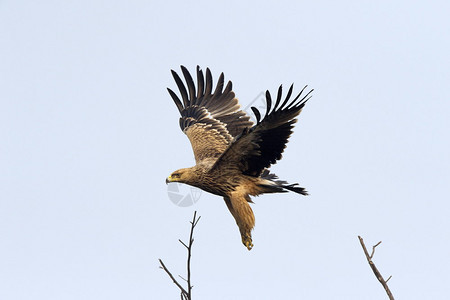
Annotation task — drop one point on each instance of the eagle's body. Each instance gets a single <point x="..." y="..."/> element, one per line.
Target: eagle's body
<point x="232" y="155"/>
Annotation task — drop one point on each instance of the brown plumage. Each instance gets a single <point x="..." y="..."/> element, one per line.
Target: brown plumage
<point x="232" y="154"/>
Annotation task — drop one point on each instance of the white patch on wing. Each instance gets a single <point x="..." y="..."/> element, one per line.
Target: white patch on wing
<point x="209" y="115"/>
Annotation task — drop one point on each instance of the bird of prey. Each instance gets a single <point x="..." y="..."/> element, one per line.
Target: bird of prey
<point x="232" y="154"/>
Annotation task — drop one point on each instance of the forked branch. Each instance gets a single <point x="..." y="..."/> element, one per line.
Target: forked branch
<point x="374" y="268"/>
<point x="185" y="295"/>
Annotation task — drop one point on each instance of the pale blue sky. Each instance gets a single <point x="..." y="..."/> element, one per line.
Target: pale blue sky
<point x="89" y="134"/>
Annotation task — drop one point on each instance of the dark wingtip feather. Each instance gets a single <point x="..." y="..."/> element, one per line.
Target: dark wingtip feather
<point x="219" y="85"/>
<point x="290" y="91"/>
<point x="307" y="96"/>
<point x="279" y="94"/>
<point x="176" y="100"/>
<point x="288" y="96"/>
<point x="189" y="82"/>
<point x="257" y="114"/>
<point x="181" y="87"/>
<point x="301" y="102"/>
<point x="200" y="83"/>
<point x="228" y="88"/>
<point x="209" y="82"/>
<point x="268" y="103"/>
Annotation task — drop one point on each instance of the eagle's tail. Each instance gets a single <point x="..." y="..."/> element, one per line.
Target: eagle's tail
<point x="295" y="188"/>
<point x="279" y="186"/>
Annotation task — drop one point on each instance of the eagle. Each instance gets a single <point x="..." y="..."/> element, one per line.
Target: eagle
<point x="232" y="154"/>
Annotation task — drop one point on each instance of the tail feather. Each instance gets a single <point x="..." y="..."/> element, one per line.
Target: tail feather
<point x="296" y="189"/>
<point x="280" y="186"/>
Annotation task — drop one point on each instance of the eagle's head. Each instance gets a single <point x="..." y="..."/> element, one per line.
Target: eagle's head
<point x="181" y="175"/>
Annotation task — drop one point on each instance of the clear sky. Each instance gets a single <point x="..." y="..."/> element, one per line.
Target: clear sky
<point x="89" y="134"/>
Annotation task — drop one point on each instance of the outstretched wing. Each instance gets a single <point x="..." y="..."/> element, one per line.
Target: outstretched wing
<point x="210" y="119"/>
<point x="263" y="144"/>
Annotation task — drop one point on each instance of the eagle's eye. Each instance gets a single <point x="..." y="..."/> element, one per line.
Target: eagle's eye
<point x="175" y="175"/>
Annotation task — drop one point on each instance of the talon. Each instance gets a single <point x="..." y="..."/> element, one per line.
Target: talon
<point x="249" y="246"/>
<point x="247" y="241"/>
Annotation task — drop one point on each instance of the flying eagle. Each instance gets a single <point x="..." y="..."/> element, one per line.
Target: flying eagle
<point x="232" y="154"/>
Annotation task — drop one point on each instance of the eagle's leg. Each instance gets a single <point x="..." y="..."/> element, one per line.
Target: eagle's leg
<point x="243" y="214"/>
<point x="247" y="240"/>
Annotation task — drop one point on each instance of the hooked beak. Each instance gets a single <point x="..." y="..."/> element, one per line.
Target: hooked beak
<point x="167" y="180"/>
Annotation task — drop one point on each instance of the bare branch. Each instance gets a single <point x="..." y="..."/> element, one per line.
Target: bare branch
<point x="183" y="291"/>
<point x="191" y="241"/>
<point x="185" y="295"/>
<point x="374" y="268"/>
<point x="183" y="244"/>
<point x="373" y="249"/>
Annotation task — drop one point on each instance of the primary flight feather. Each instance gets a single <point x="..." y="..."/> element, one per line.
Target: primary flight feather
<point x="232" y="154"/>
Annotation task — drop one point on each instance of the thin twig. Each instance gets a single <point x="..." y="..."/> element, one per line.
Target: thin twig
<point x="373" y="249"/>
<point x="189" y="248"/>
<point x="374" y="268"/>
<point x="185" y="295"/>
<point x="183" y="244"/>
<point x="183" y="291"/>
